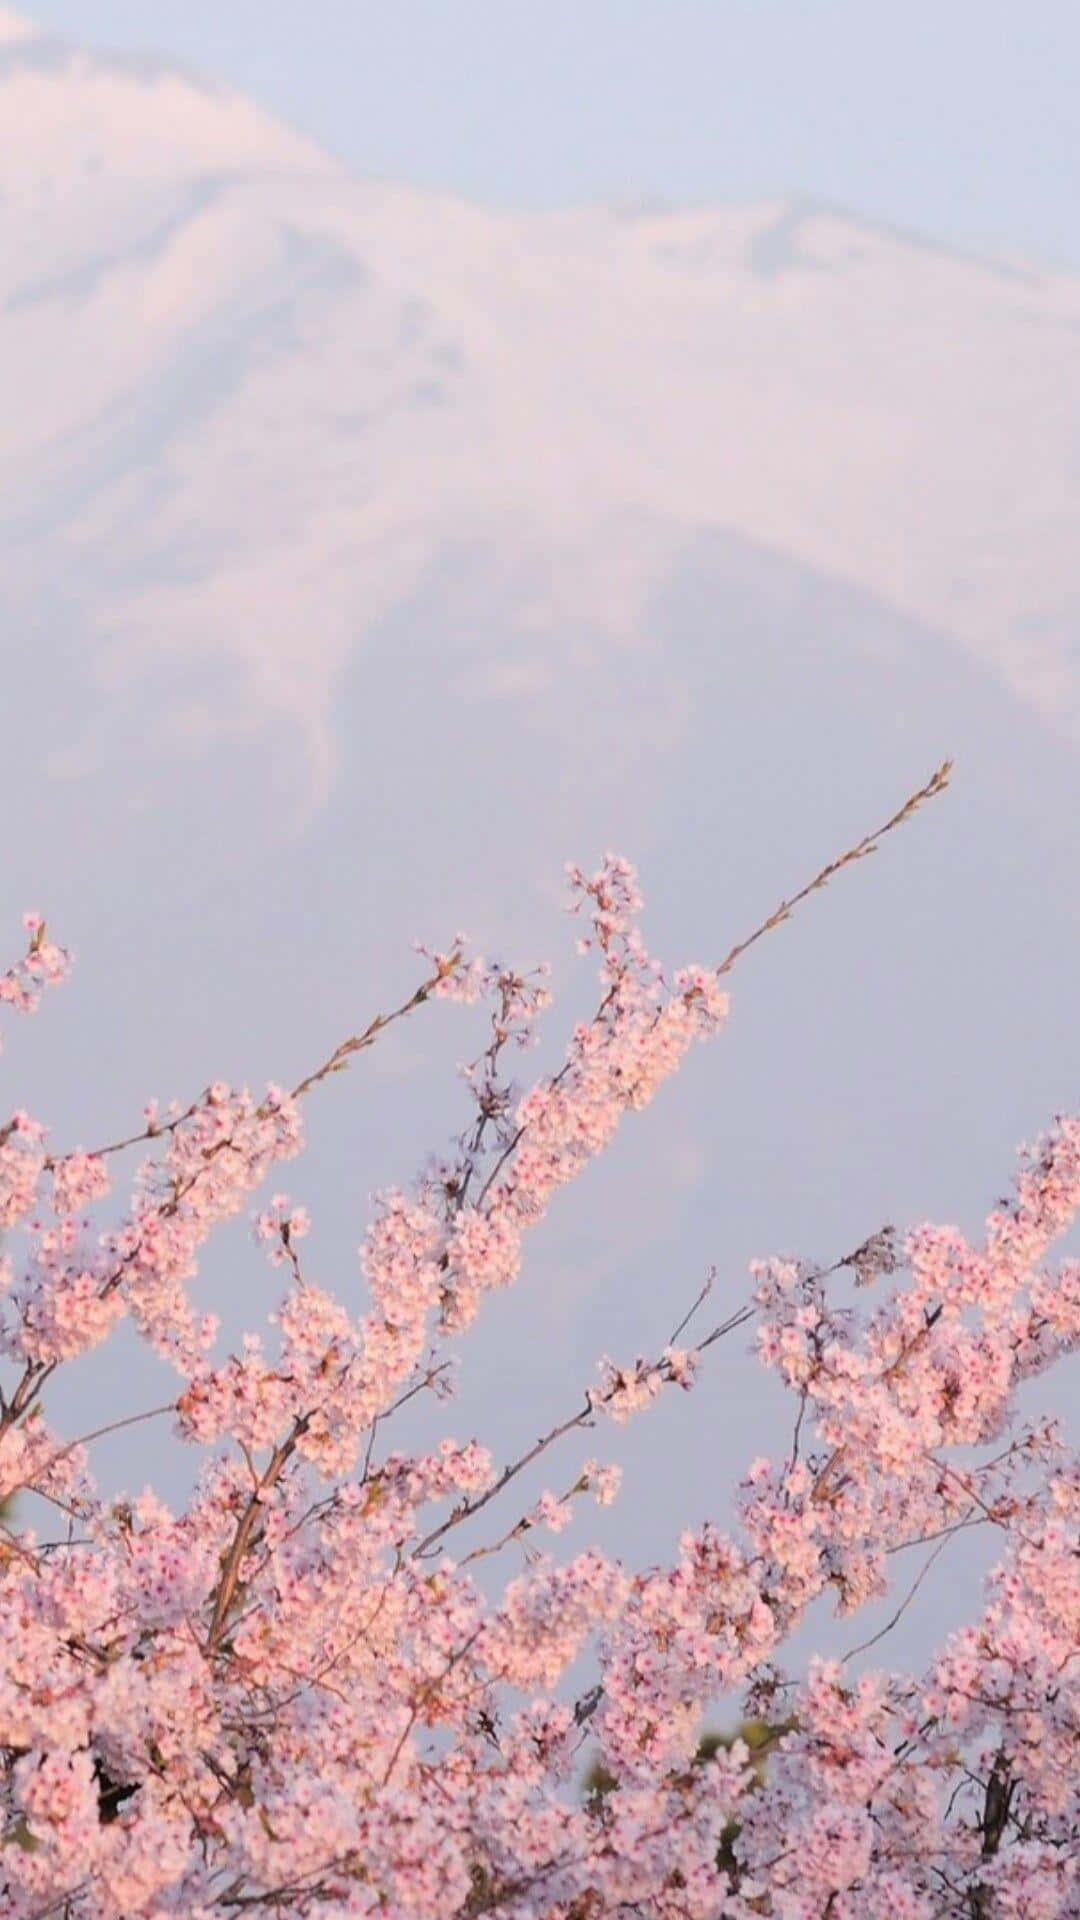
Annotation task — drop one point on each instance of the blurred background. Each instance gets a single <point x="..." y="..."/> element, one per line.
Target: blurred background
<point x="438" y="443"/>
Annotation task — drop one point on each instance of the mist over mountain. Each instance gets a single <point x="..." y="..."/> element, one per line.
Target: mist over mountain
<point x="368" y="554"/>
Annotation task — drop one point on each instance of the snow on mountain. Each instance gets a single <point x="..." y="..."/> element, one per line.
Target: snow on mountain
<point x="73" y="117"/>
<point x="367" y="554"/>
<point x="284" y="391"/>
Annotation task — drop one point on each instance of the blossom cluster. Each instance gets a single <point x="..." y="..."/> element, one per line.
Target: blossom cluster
<point x="44" y="964"/>
<point x="297" y="1697"/>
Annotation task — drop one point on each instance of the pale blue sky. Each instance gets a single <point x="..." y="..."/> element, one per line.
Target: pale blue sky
<point x="957" y="117"/>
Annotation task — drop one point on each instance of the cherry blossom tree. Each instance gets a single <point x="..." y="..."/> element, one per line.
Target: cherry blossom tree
<point x="300" y="1696"/>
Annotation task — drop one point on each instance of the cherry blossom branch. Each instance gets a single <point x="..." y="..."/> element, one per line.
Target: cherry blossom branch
<point x="822" y="1489"/>
<point x="936" y="784"/>
<point x="476" y="1502"/>
<point x="336" y="1062"/>
<point x="263" y="1679"/>
<point x="582" y="1418"/>
<point x="37" y="1373"/>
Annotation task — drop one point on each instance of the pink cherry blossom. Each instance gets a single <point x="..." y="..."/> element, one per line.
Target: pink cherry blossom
<point x="295" y="1696"/>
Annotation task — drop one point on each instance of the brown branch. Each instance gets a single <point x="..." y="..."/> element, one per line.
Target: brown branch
<point x="425" y="1695"/>
<point x="583" y="1417"/>
<point x="469" y="1507"/>
<point x="905" y="1602"/>
<point x="341" y="1055"/>
<point x="936" y="784"/>
<point x="692" y="1309"/>
<point x="230" y="1572"/>
<point x="113" y="1426"/>
<point x="335" y="1063"/>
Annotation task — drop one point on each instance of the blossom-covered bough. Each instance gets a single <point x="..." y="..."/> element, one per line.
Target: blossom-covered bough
<point x="297" y="1698"/>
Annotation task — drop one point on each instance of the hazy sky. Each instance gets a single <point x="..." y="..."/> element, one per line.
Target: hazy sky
<point x="961" y="120"/>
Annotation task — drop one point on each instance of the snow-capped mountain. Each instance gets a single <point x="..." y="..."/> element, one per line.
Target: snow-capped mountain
<point x="286" y="391"/>
<point x="367" y="554"/>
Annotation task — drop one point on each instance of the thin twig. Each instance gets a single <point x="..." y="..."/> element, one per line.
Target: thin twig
<point x="936" y="784"/>
<point x="468" y="1507"/>
<point x="691" y="1310"/>
<point x="334" y="1063"/>
<point x="582" y="1418"/>
<point x="905" y="1602"/>
<point x="114" y="1426"/>
<point x="358" y="1042"/>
